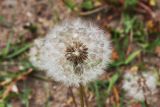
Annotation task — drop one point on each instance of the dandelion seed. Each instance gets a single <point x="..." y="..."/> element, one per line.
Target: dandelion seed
<point x="74" y="52"/>
<point x="138" y="86"/>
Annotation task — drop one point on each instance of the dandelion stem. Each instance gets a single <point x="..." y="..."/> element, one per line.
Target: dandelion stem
<point x="73" y="97"/>
<point x="146" y="103"/>
<point x="85" y="97"/>
<point x="81" y="94"/>
<point x="145" y="100"/>
<point x="86" y="100"/>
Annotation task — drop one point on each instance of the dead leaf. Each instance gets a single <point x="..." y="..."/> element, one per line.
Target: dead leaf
<point x="134" y="69"/>
<point x="157" y="51"/>
<point x="152" y="2"/>
<point x="115" y="55"/>
<point x="136" y="105"/>
<point x="150" y="25"/>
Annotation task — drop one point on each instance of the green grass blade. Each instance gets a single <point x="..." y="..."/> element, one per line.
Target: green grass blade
<point x="112" y="82"/>
<point x="70" y="4"/>
<point x="7" y="48"/>
<point x="97" y="94"/>
<point x="132" y="56"/>
<point x="19" y="51"/>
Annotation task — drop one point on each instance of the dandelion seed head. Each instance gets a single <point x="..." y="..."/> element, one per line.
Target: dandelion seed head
<point x="138" y="86"/>
<point x="35" y="53"/>
<point x="73" y="52"/>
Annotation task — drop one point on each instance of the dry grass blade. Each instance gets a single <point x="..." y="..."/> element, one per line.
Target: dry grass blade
<point x="9" y="84"/>
<point x="93" y="11"/>
<point x="116" y="94"/>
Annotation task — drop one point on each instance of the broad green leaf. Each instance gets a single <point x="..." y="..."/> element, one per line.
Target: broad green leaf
<point x="130" y="3"/>
<point x="129" y="23"/>
<point x="2" y="104"/>
<point x="70" y="4"/>
<point x="87" y="4"/>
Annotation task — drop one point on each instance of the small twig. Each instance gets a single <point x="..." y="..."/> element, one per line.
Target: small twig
<point x="93" y="11"/>
<point x="147" y="9"/>
<point x="20" y="77"/>
<point x="73" y="97"/>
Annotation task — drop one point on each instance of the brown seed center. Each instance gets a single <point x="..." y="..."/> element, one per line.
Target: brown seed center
<point x="76" y="53"/>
